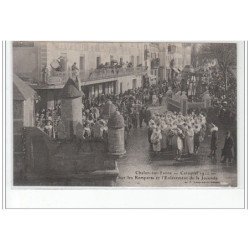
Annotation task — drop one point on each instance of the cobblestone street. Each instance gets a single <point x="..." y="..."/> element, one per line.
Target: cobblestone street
<point x="139" y="166"/>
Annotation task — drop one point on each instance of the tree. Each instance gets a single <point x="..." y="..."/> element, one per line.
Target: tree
<point x="224" y="54"/>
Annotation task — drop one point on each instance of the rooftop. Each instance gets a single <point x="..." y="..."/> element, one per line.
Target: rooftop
<point x="21" y="90"/>
<point x="70" y="90"/>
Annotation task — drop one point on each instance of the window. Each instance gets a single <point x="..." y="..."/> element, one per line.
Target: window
<point x="133" y="60"/>
<point x="138" y="60"/>
<point x="82" y="63"/>
<point x="121" y="61"/>
<point x="111" y="58"/>
<point x="134" y="84"/>
<point x="98" y="61"/>
<point x="121" y="87"/>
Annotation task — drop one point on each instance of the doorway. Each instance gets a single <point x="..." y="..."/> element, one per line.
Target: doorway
<point x="134" y="84"/>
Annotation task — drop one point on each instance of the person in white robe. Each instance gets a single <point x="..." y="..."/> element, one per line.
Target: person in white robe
<point x="179" y="141"/>
<point x="154" y="99"/>
<point x="97" y="130"/>
<point x="190" y="140"/>
<point x="87" y="131"/>
<point x="156" y="138"/>
<point x="48" y="129"/>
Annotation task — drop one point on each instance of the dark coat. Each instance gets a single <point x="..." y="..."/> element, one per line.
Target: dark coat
<point x="197" y="139"/>
<point x="148" y="115"/>
<point x="227" y="150"/>
<point x="214" y="140"/>
<point x="150" y="131"/>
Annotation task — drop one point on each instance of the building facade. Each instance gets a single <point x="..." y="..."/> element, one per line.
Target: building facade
<point x="173" y="58"/>
<point x="103" y="67"/>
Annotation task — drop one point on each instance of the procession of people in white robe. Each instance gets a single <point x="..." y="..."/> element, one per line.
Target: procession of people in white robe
<point x="172" y="131"/>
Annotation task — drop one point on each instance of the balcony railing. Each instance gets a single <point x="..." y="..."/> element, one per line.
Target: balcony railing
<point x="99" y="74"/>
<point x="96" y="74"/>
<point x="58" y="77"/>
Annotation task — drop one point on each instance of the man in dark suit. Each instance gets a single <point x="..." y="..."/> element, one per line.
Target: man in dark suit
<point x="227" y="149"/>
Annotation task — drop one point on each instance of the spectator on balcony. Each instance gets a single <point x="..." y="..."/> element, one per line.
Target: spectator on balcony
<point x="74" y="67"/>
<point x="45" y="74"/>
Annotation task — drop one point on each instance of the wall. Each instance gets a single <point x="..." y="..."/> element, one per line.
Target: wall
<point x="61" y="163"/>
<point x="71" y="110"/>
<point x="90" y="51"/>
<point x="25" y="62"/>
<point x="18" y="115"/>
<point x="23" y="114"/>
<point x="29" y="113"/>
<point x="28" y="61"/>
<point x="127" y="82"/>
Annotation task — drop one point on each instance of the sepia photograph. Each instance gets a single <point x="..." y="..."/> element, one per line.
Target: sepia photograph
<point x="124" y="114"/>
<point x="124" y="125"/>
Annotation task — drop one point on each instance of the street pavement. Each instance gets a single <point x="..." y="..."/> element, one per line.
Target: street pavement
<point x="140" y="168"/>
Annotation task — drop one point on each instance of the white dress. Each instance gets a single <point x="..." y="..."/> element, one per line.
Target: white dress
<point x="179" y="143"/>
<point x="190" y="141"/>
<point x="154" y="99"/>
<point x="156" y="138"/>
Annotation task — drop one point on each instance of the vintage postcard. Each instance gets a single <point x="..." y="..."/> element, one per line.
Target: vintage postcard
<point x="125" y="114"/>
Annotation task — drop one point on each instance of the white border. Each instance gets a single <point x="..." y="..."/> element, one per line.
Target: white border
<point x="69" y="197"/>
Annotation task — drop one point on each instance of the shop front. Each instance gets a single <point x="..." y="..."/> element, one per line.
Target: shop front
<point x="95" y="89"/>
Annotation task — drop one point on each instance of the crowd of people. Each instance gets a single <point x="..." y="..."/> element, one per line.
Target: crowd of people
<point x="166" y="131"/>
<point x="132" y="104"/>
<point x="174" y="131"/>
<point x="47" y="120"/>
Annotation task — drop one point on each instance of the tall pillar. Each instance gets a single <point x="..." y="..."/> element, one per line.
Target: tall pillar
<point x="116" y="141"/>
<point x="71" y="108"/>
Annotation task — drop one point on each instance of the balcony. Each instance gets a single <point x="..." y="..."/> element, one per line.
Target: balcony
<point x="60" y="77"/>
<point x="106" y="73"/>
